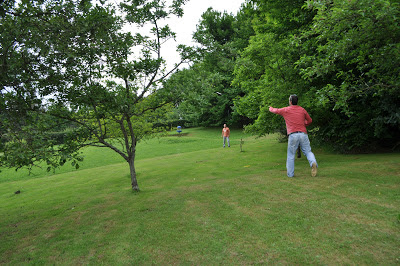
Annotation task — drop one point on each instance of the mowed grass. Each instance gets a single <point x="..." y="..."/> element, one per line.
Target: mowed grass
<point x="189" y="140"/>
<point x="201" y="204"/>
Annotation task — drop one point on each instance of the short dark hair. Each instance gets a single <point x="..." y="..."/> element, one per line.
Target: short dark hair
<point x="294" y="99"/>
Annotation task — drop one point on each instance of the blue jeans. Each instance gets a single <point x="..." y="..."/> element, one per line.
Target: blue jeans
<point x="295" y="140"/>
<point x="226" y="138"/>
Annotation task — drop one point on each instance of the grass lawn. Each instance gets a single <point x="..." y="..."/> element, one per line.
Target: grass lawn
<point x="203" y="204"/>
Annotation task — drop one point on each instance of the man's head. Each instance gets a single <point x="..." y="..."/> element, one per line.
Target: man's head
<point x="293" y="99"/>
<point x="224" y="125"/>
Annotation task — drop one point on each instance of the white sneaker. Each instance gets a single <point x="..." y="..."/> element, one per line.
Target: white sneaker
<point x="314" y="170"/>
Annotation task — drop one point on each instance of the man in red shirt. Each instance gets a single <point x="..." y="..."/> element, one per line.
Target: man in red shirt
<point x="296" y="118"/>
<point x="225" y="134"/>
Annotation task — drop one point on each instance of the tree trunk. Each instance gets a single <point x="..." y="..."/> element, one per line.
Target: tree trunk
<point x="135" y="186"/>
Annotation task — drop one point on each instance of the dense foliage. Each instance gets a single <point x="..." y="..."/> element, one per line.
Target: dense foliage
<point x="351" y="62"/>
<point x="207" y="91"/>
<point x="340" y="57"/>
<point x="265" y="69"/>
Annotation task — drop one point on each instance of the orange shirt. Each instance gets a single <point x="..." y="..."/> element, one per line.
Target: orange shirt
<point x="226" y="132"/>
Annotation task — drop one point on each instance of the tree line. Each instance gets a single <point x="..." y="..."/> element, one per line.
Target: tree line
<point x="340" y="57"/>
<point x="72" y="75"/>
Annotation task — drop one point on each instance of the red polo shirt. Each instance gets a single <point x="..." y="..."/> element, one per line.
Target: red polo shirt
<point x="296" y="118"/>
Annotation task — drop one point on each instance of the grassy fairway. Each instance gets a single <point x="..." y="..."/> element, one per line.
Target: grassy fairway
<point x="202" y="204"/>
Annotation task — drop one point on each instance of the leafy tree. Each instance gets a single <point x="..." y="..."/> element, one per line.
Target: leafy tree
<point x="265" y="70"/>
<point x="340" y="57"/>
<point x="221" y="37"/>
<point x="195" y="91"/>
<point x="69" y="62"/>
<point x="352" y="62"/>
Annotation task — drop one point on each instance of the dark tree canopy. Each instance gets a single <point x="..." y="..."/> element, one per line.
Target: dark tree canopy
<point x="340" y="57"/>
